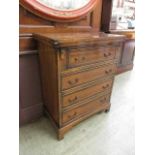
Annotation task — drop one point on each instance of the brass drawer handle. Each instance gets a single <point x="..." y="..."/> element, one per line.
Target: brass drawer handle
<point x="72" y="116"/>
<point x="83" y="58"/>
<point x="110" y="43"/>
<point x="80" y="59"/>
<point x="76" y="59"/>
<point x="73" y="82"/>
<point x="106" y="55"/>
<point x="73" y="100"/>
<point x="108" y="71"/>
<point x="104" y="87"/>
<point x="103" y="100"/>
<point x="109" y="54"/>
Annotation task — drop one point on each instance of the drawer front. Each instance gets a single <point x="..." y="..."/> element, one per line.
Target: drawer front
<point x="87" y="92"/>
<point x="81" y="56"/>
<point x="83" y="77"/>
<point x="90" y="107"/>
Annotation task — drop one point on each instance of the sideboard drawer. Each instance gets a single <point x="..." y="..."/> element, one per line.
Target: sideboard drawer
<point x="83" y="77"/>
<point x="73" y="98"/>
<point x="80" y="56"/>
<point x="92" y="106"/>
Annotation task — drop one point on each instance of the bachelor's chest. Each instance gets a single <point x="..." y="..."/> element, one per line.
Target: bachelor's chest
<point x="77" y="73"/>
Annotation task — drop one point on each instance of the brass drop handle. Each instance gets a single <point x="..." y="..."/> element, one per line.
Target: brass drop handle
<point x="75" y="113"/>
<point x="73" y="82"/>
<point x="73" y="100"/>
<point x="104" y="87"/>
<point x="76" y="59"/>
<point x="83" y="58"/>
<point x="106" y="55"/>
<point x="72" y="116"/>
<point x="80" y="59"/>
<point x="110" y="43"/>
<point x="103" y="100"/>
<point x="109" y="54"/>
<point x="108" y="71"/>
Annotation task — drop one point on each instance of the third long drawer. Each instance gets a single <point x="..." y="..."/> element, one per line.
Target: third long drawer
<point x="100" y="86"/>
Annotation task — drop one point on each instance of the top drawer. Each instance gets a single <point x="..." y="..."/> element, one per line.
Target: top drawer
<point x="80" y="56"/>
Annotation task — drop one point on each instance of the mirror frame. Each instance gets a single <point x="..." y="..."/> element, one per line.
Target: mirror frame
<point x="57" y="15"/>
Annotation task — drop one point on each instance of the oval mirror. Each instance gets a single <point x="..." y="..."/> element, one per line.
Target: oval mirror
<point x="59" y="10"/>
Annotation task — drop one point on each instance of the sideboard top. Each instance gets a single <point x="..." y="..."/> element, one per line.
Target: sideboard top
<point x="72" y="39"/>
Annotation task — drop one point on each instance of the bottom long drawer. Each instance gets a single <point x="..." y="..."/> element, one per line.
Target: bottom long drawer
<point x="87" y="108"/>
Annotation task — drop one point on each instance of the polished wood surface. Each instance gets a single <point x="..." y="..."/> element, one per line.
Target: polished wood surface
<point x="86" y="108"/>
<point x="49" y="76"/>
<point x="31" y="107"/>
<point x="80" y="78"/>
<point x="30" y="23"/>
<point x="126" y="61"/>
<point x="73" y="93"/>
<point x="77" y="57"/>
<point x="130" y="34"/>
<point x="94" y="88"/>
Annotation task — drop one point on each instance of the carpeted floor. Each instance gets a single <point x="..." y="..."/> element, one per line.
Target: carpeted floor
<point x="102" y="134"/>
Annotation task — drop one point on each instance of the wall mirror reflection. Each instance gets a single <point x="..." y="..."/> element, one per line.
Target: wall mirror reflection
<point x="64" y="5"/>
<point x="123" y="15"/>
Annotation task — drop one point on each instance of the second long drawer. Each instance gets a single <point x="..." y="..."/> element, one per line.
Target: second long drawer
<point x="86" y="76"/>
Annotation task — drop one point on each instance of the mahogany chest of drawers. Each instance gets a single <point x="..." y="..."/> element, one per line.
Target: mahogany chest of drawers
<point x="77" y="72"/>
